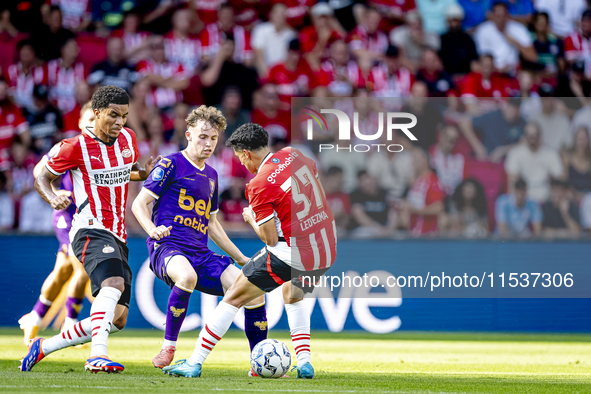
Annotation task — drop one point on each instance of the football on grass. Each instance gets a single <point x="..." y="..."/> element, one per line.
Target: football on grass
<point x="270" y="359"/>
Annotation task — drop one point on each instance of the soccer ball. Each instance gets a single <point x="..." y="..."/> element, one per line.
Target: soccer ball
<point x="270" y="359"/>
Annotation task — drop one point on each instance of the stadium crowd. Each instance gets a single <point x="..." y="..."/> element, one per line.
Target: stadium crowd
<point x="501" y="90"/>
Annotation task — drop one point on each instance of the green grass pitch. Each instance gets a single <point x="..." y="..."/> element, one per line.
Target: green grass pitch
<point x="345" y="363"/>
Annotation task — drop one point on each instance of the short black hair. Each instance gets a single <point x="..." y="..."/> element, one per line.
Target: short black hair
<point x="24" y="43"/>
<point x="362" y="173"/>
<point x="107" y="95"/>
<point x="249" y="136"/>
<point x="520" y="184"/>
<point x="334" y="170"/>
<point x="555" y="182"/>
<point x="501" y="4"/>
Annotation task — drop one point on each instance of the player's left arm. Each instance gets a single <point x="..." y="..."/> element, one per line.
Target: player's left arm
<point x="143" y="213"/>
<point x="221" y="239"/>
<point x="141" y="174"/>
<point x="267" y="231"/>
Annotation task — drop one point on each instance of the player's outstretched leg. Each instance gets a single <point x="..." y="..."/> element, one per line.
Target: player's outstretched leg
<point x="255" y="324"/>
<point x="31" y="322"/>
<point x="237" y="296"/>
<point x="76" y="289"/>
<point x="182" y="273"/>
<point x="299" y="325"/>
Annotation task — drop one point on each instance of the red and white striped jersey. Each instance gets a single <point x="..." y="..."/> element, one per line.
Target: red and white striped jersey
<point x="62" y="83"/>
<point x="186" y="51"/>
<point x="21" y="85"/>
<point x="100" y="174"/>
<point x="132" y="41"/>
<point x="359" y="38"/>
<point x="578" y="47"/>
<point x="383" y="84"/>
<point x="342" y="79"/>
<point x="212" y="37"/>
<point x="74" y="12"/>
<point x="208" y="10"/>
<point x="286" y="190"/>
<point x="159" y="96"/>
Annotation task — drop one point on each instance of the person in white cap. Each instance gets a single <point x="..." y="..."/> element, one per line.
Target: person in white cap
<point x="316" y="39"/>
<point x="458" y="50"/>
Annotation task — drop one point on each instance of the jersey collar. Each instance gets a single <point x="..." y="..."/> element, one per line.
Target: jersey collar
<point x="264" y="161"/>
<point x="191" y="161"/>
<point x="90" y="131"/>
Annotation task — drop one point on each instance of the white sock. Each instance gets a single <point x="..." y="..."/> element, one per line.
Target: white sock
<point x="69" y="322"/>
<point x="167" y="343"/>
<point x="102" y="313"/>
<point x="78" y="334"/>
<point x="213" y="331"/>
<point x="299" y="326"/>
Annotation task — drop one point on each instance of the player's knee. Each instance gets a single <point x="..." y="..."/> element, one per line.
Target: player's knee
<point x="63" y="271"/>
<point x="116" y="281"/>
<point x="188" y="280"/>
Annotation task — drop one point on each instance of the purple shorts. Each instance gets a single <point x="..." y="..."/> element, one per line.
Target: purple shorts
<point x="208" y="266"/>
<point x="62" y="223"/>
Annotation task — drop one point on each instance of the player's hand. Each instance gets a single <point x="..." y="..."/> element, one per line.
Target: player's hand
<point x="160" y="232"/>
<point x="65" y="193"/>
<point x="151" y="163"/>
<point x="60" y="203"/>
<point x="248" y="215"/>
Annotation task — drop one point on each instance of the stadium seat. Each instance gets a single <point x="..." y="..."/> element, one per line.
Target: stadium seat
<point x="493" y="179"/>
<point x="92" y="50"/>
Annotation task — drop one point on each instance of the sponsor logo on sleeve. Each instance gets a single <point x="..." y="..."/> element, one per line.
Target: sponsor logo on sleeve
<point x="275" y="160"/>
<point x="158" y="174"/>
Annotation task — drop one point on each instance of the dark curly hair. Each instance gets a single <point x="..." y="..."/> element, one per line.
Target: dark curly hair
<point x="249" y="136"/>
<point x="479" y="202"/>
<point x="109" y="94"/>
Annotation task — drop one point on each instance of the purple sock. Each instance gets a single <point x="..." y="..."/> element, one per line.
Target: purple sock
<point x="178" y="303"/>
<point x="255" y="325"/>
<point x="41" y="308"/>
<point x="73" y="307"/>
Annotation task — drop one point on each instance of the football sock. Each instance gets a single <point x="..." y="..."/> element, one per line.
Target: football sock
<point x="176" y="311"/>
<point x="213" y="331"/>
<point x="73" y="307"/>
<point x="101" y="316"/>
<point x="255" y="324"/>
<point x="80" y="333"/>
<point x="41" y="307"/>
<point x="299" y="326"/>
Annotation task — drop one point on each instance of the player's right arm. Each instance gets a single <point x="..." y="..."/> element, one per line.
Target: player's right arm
<point x="64" y="160"/>
<point x="143" y="213"/>
<point x="45" y="190"/>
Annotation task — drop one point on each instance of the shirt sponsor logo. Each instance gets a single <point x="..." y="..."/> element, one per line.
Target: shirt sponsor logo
<point x="158" y="174"/>
<point x="113" y="177"/>
<point x="108" y="249"/>
<point x="281" y="167"/>
<point x="126" y="153"/>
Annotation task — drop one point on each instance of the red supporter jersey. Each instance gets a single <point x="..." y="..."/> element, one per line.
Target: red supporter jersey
<point x="425" y="191"/>
<point x="287" y="191"/>
<point x="578" y="47"/>
<point x="291" y="83"/>
<point x="208" y="10"/>
<point x="341" y="79"/>
<point x="212" y="37"/>
<point x="296" y="11"/>
<point x="186" y="51"/>
<point x="385" y="85"/>
<point x="246" y="12"/>
<point x="62" y="83"/>
<point x="395" y="8"/>
<point x="159" y="96"/>
<point x="359" y="38"/>
<point x="71" y="120"/>
<point x="474" y="85"/>
<point x="21" y="85"/>
<point x="100" y="174"/>
<point x="309" y="39"/>
<point x="12" y="122"/>
<point x="278" y="126"/>
<point x="74" y="12"/>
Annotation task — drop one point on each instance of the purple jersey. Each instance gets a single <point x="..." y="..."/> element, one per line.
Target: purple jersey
<point x="186" y="196"/>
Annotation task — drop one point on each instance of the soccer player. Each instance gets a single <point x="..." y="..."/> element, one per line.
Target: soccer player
<point x="66" y="262"/>
<point x="289" y="212"/>
<point x="184" y="190"/>
<point x="101" y="160"/>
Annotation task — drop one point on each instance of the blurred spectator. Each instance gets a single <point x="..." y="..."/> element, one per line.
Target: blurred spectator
<point x="136" y="42"/>
<point x="394" y="12"/>
<point x="348" y="12"/>
<point x="7" y="29"/>
<point x="573" y="88"/>
<point x="167" y="79"/>
<point x="577" y="161"/>
<point x="247" y="13"/>
<point x="45" y="121"/>
<point x="505" y="39"/>
<point x="516" y="215"/>
<point x="339" y="201"/>
<point x="550" y="49"/>
<point x="585" y="212"/>
<point x="227" y="166"/>
<point x="438" y="81"/>
<point x="433" y="14"/>
<point x="391" y="79"/>
<point x="270" y="40"/>
<point x="341" y="74"/>
<point x="181" y="111"/>
<point x="115" y="70"/>
<point x="450" y="167"/>
<point x="63" y="75"/>
<point x="577" y="45"/>
<point x="296" y="11"/>
<point x="372" y="215"/>
<point x="49" y="40"/>
<point x="412" y="40"/>
<point x="139" y="109"/>
<point x="475" y="11"/>
<point x="76" y="13"/>
<point x="223" y="71"/>
<point x="12" y="124"/>
<point x="293" y="77"/>
<point x="232" y="202"/>
<point x="207" y="10"/>
<point x="561" y="216"/>
<point x="317" y="38"/>
<point x="564" y="15"/>
<point x="72" y="119"/>
<point x="531" y="103"/>
<point x="554" y="124"/>
<point x="366" y="42"/>
<point x="24" y="74"/>
<point x="424" y="202"/>
<point x="180" y="45"/>
<point x="156" y="144"/>
<point x="231" y="107"/>
<point x="21" y="179"/>
<point x="468" y="211"/>
<point x="225" y="28"/>
<point x="500" y="131"/>
<point x="458" y="50"/>
<point x="25" y="15"/>
<point x="270" y="116"/>
<point x="535" y="163"/>
<point x="424" y="109"/>
<point x="520" y="10"/>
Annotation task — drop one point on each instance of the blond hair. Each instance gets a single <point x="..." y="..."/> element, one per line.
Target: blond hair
<point x="86" y="107"/>
<point x="210" y="115"/>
